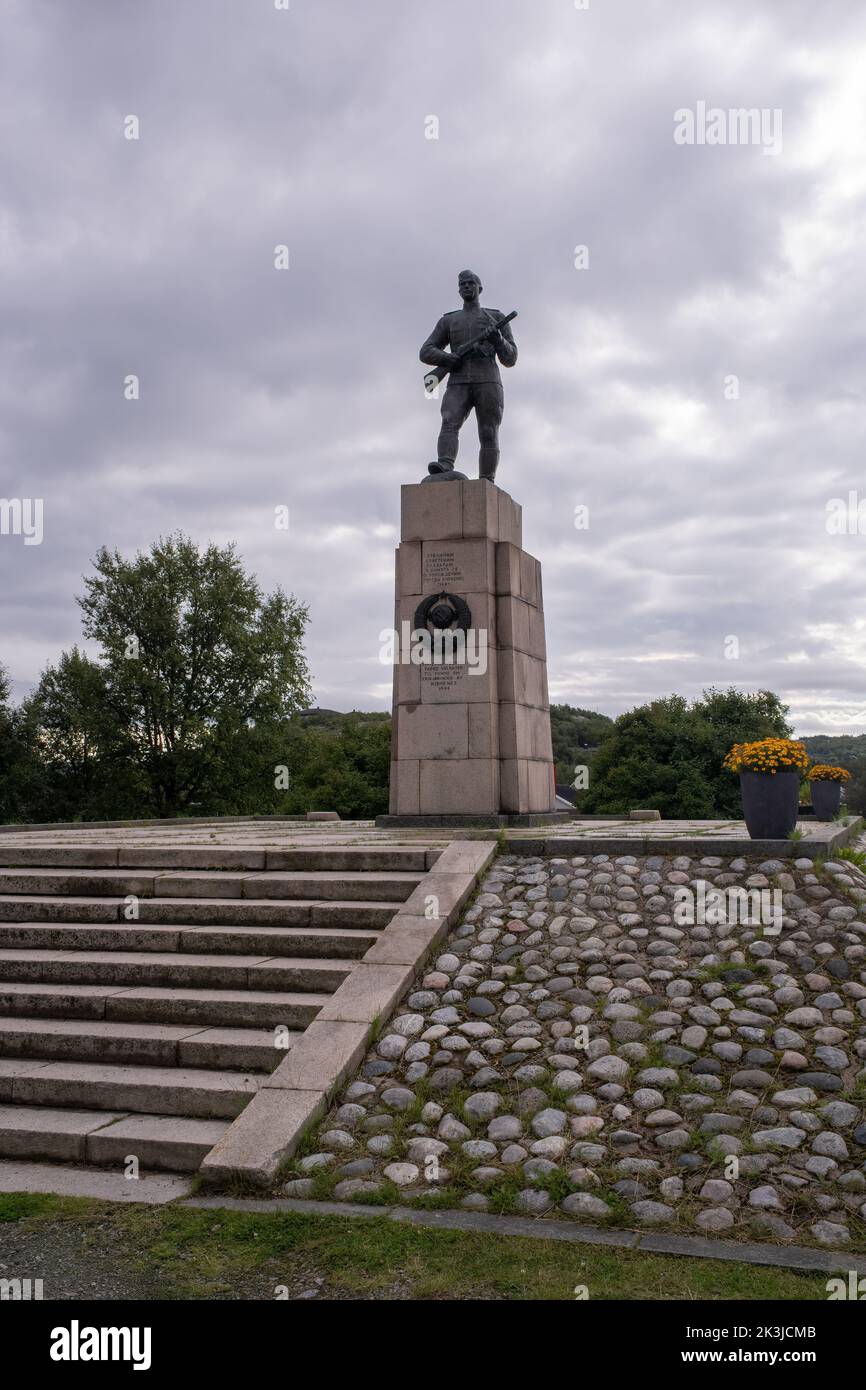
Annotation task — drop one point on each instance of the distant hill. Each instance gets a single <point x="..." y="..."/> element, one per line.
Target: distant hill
<point x="576" y="733"/>
<point x="333" y="719"/>
<point x="843" y="750"/>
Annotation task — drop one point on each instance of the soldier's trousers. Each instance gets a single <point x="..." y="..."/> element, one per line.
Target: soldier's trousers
<point x="459" y="399"/>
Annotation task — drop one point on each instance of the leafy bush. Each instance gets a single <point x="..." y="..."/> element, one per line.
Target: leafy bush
<point x="667" y="755"/>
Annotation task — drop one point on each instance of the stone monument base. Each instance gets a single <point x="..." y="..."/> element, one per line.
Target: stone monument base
<point x="492" y="822"/>
<point x="470" y="736"/>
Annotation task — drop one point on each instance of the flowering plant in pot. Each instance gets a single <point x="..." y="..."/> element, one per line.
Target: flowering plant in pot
<point x="826" y="786"/>
<point x="770" y="771"/>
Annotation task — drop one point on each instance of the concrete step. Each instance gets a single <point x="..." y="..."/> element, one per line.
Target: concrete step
<point x="197" y="911"/>
<point x="216" y="1008"/>
<point x="374" y="858"/>
<point x="173" y="1144"/>
<point x="81" y="883"/>
<point x="175" y="968"/>
<point x="189" y="1091"/>
<point x="46" y="855"/>
<point x="330" y="886"/>
<point x="206" y="883"/>
<point x="148" y="988"/>
<point x="129" y="936"/>
<point x="141" y="1044"/>
<point x="265" y="913"/>
<point x="354" y="859"/>
<point x="103" y="1185"/>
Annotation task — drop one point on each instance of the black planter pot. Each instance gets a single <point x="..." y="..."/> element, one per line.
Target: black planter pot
<point x="826" y="798"/>
<point x="770" y="801"/>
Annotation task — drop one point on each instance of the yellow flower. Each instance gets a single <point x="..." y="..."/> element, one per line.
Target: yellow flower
<point x="768" y="755"/>
<point x="823" y="772"/>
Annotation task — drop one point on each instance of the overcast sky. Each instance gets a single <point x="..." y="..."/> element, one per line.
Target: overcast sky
<point x="262" y="387"/>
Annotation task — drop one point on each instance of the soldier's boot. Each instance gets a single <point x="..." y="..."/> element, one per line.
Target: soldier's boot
<point x="447" y="445"/>
<point x="488" y="459"/>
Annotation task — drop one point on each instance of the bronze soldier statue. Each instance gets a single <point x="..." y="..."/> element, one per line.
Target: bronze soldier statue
<point x="466" y="343"/>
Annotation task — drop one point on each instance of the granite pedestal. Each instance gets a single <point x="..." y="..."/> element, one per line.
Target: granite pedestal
<point x="470" y="736"/>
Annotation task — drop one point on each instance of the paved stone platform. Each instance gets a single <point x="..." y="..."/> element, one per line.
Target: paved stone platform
<point x="592" y="835"/>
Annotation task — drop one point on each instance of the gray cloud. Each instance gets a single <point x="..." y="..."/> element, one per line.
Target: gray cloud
<point x="259" y="387"/>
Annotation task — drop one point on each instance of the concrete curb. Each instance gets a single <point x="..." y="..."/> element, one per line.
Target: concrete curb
<point x="293" y="1097"/>
<point x="563" y="846"/>
<point x="797" y="1257"/>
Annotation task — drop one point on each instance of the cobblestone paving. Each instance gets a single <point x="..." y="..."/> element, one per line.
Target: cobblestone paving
<point x="573" y="1052"/>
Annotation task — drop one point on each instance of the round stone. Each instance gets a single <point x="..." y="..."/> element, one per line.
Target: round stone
<point x="608" y="1068"/>
<point x="452" y="1128"/>
<point x="398" y="1098"/>
<point x="714" y="1220"/>
<point x="504" y="1127"/>
<point x="480" y="1007"/>
<point x="765" y="1197"/>
<point x="830" y="1233"/>
<point x="403" y="1174"/>
<point x="653" y="1213"/>
<point x="583" y="1204"/>
<point x="532" y="1201"/>
<point x="407" y="1025"/>
<point x="716" y="1190"/>
<point x="313" y="1161"/>
<point x="355" y="1190"/>
<point x="337" y="1139"/>
<point x="483" y="1105"/>
<point x="830" y="1145"/>
<point x="479" y="1148"/>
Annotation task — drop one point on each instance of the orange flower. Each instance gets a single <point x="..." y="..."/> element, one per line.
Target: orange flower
<point x="824" y="772"/>
<point x="769" y="755"/>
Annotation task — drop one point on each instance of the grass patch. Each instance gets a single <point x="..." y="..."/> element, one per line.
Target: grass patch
<point x="324" y="1181"/>
<point x="718" y="974"/>
<point x="437" y="1199"/>
<point x="503" y="1198"/>
<point x="557" y="1185"/>
<point x="620" y="1210"/>
<point x="854" y="856"/>
<point x="388" y="1194"/>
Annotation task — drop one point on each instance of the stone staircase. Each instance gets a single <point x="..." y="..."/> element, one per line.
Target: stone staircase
<point x="146" y="991"/>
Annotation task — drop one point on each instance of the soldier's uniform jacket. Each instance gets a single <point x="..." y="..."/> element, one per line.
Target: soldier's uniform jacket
<point x="456" y="328"/>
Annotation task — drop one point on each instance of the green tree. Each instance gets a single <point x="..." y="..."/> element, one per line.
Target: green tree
<point x="193" y="656"/>
<point x="855" y="790"/>
<point x="81" y="766"/>
<point x="344" y="770"/>
<point x="667" y="755"/>
<point x="11" y="755"/>
<point x="576" y="733"/>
